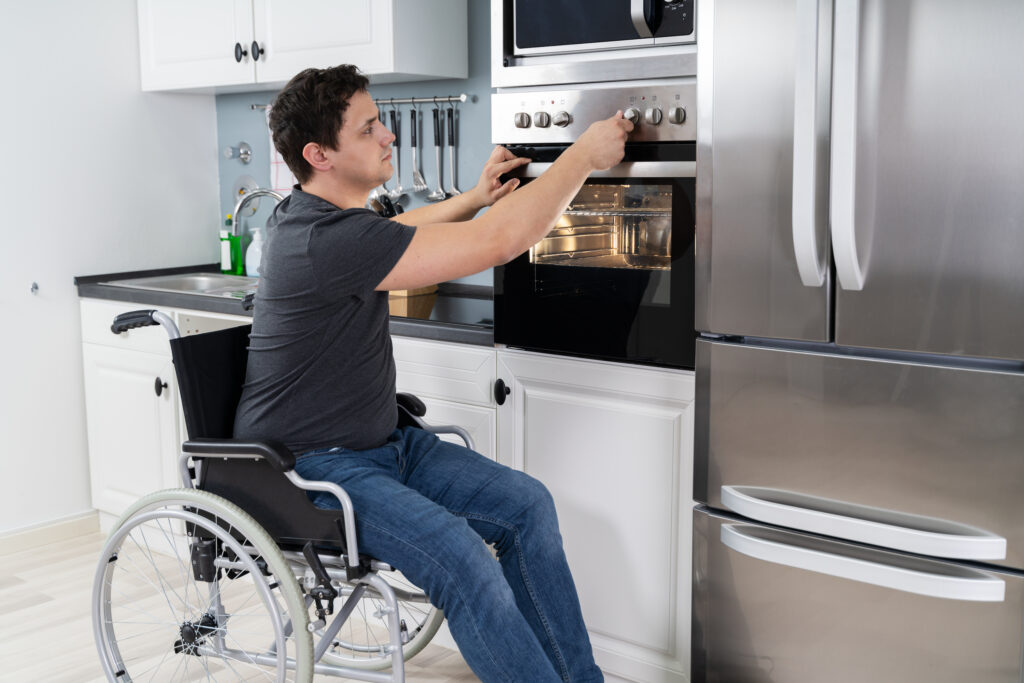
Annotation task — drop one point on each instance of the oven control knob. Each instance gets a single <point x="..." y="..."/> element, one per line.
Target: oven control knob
<point x="522" y="120"/>
<point x="632" y="115"/>
<point x="653" y="116"/>
<point x="561" y="119"/>
<point x="677" y="115"/>
<point x="542" y="119"/>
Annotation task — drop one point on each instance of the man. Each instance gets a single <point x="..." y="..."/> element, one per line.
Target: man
<point x="321" y="375"/>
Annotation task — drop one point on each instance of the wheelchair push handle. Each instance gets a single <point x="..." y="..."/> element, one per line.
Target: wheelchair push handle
<point x="143" y="318"/>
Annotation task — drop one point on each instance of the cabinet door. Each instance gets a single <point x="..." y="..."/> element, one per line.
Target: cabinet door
<point x="455" y="381"/>
<point x="479" y="422"/>
<point x="191" y="43"/>
<point x="613" y="444"/>
<point x="133" y="438"/>
<point x="299" y="34"/>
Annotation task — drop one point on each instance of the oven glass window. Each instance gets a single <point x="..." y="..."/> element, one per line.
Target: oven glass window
<point x="612" y="226"/>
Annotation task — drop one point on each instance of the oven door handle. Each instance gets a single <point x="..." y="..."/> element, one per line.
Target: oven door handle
<point x="630" y="169"/>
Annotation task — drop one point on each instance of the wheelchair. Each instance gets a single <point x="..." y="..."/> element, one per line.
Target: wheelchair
<point x="237" y="575"/>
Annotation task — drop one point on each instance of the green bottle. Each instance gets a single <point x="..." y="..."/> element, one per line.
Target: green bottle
<point x="232" y="251"/>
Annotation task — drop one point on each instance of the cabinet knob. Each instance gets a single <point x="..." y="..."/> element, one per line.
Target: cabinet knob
<point x="256" y="51"/>
<point x="240" y="52"/>
<point x="159" y="386"/>
<point x="501" y="390"/>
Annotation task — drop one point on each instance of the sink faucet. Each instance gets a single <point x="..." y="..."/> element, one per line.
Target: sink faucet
<point x="245" y="199"/>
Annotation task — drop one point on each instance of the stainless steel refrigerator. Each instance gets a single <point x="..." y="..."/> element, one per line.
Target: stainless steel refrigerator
<point x="859" y="462"/>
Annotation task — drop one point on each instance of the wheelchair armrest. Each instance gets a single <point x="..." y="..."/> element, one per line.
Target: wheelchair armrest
<point x="274" y="452"/>
<point x="411" y="403"/>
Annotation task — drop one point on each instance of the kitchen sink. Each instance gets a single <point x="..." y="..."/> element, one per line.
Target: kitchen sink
<point x="208" y="284"/>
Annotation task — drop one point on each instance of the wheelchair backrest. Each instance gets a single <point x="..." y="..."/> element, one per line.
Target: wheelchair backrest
<point x="211" y="370"/>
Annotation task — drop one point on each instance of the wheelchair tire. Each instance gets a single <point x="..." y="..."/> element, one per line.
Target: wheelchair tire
<point x="153" y="619"/>
<point x="361" y="642"/>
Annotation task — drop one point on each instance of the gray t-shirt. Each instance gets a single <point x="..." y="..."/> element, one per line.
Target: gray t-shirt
<point x="321" y="370"/>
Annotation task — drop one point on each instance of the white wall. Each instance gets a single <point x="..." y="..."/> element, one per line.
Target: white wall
<point x="96" y="177"/>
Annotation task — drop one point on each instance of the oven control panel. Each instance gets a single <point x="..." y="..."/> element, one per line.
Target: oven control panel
<point x="660" y="113"/>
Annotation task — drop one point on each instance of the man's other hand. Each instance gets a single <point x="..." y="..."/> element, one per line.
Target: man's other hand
<point x="489" y="188"/>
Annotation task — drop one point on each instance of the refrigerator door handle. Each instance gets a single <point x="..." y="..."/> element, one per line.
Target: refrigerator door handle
<point x="971" y="584"/>
<point x="808" y="102"/>
<point x="864" y="524"/>
<point x="843" y="175"/>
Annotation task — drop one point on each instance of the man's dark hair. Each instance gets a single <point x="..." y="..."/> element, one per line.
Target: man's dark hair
<point x="310" y="109"/>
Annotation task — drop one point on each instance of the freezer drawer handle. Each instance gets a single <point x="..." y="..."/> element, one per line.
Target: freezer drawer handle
<point x="972" y="585"/>
<point x="864" y="524"/>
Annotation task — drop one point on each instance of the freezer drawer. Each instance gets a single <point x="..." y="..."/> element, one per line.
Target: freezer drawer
<point x="774" y="605"/>
<point x="920" y="458"/>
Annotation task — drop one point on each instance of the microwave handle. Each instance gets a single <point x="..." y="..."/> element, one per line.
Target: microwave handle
<point x="843" y="173"/>
<point x="864" y="524"/>
<point x="982" y="588"/>
<point x="628" y="169"/>
<point x="810" y="121"/>
<point x="639" y="16"/>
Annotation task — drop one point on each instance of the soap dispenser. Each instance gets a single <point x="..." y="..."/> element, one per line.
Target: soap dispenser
<point x="254" y="253"/>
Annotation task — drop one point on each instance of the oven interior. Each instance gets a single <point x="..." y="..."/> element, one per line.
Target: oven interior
<point x="612" y="226"/>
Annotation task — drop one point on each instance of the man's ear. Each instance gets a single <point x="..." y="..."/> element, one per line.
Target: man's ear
<point x="314" y="155"/>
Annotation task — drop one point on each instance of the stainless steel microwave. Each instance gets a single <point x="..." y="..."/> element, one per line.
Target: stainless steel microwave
<point x="543" y="42"/>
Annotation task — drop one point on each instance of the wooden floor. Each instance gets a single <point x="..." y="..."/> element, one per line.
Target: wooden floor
<point x="46" y="632"/>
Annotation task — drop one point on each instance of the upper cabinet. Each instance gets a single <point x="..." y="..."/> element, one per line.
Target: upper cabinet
<point x="239" y="45"/>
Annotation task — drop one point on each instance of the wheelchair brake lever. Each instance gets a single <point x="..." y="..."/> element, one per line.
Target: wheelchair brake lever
<point x="323" y="590"/>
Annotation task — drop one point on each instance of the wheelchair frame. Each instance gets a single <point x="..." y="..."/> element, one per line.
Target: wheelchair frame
<point x="302" y="579"/>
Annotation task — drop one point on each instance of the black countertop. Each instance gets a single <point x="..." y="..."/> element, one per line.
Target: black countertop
<point x="461" y="313"/>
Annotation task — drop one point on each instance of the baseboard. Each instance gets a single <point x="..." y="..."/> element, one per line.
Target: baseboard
<point x="38" y="535"/>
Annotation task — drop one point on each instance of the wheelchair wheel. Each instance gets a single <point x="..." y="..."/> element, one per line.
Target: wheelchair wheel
<point x="189" y="587"/>
<point x="362" y="641"/>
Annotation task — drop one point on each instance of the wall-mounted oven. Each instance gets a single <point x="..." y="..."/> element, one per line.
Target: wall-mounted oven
<point x="614" y="278"/>
<point x="540" y="42"/>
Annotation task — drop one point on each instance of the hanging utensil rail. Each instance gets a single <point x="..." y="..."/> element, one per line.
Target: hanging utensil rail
<point x="406" y="100"/>
<point x="424" y="100"/>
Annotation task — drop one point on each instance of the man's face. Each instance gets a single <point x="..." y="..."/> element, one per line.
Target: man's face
<point x="363" y="157"/>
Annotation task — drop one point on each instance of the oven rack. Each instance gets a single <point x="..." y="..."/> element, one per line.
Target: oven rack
<point x="626" y="213"/>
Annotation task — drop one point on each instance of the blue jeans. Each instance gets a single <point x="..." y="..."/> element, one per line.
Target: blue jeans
<point x="423" y="505"/>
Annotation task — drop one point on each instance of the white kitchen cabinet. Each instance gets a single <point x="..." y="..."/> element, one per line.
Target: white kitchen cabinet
<point x="455" y="381"/>
<point x="134" y="433"/>
<point x="191" y="44"/>
<point x="614" y="445"/>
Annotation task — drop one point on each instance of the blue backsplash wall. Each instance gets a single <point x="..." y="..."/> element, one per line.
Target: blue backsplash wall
<point x="237" y="121"/>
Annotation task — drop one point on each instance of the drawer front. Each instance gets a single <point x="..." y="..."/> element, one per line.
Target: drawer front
<point x="758" y="619"/>
<point x="98" y="316"/>
<point x="453" y="372"/>
<point x="936" y="450"/>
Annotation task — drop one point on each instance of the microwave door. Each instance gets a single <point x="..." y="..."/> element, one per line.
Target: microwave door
<point x="926" y="202"/>
<point x="762" y="242"/>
